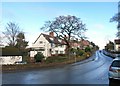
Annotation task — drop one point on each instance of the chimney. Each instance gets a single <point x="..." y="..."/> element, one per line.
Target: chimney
<point x="51" y="34"/>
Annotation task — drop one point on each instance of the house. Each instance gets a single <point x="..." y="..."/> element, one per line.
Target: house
<point x="75" y="44"/>
<point x="82" y="44"/>
<point x="51" y="45"/>
<point x="117" y="44"/>
<point x="48" y="45"/>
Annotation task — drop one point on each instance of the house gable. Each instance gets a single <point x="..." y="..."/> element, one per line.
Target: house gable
<point x="48" y="45"/>
<point x="40" y="41"/>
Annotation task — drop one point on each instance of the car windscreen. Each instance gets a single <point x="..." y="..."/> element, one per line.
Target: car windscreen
<point x="116" y="63"/>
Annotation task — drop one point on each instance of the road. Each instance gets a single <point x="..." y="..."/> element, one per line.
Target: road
<point x="91" y="71"/>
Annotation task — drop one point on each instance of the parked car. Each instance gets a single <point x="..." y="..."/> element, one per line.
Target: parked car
<point x="21" y="62"/>
<point x="114" y="70"/>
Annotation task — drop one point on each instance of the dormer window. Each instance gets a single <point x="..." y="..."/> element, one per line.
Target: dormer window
<point x="51" y="39"/>
<point x="59" y="40"/>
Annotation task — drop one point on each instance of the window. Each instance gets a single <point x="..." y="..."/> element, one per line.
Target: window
<point x="56" y="45"/>
<point x="61" y="52"/>
<point x="119" y="48"/>
<point x="59" y="40"/>
<point x="56" y="52"/>
<point x="41" y="42"/>
<point x="41" y="49"/>
<point x="116" y="63"/>
<point x="52" y="45"/>
<point x="61" y="45"/>
<point x="52" y="39"/>
<point x="52" y="52"/>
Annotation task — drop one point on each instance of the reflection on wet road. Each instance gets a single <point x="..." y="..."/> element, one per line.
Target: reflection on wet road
<point x="91" y="72"/>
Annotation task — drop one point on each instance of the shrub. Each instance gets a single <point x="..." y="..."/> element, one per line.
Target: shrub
<point x="77" y="52"/>
<point x="87" y="49"/>
<point x="38" y="57"/>
<point x="80" y="52"/>
<point x="10" y="51"/>
<point x="73" y="51"/>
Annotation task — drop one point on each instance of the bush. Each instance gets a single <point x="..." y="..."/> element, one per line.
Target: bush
<point x="11" y="51"/>
<point x="80" y="52"/>
<point x="38" y="57"/>
<point x="77" y="52"/>
<point x="73" y="51"/>
<point x="87" y="49"/>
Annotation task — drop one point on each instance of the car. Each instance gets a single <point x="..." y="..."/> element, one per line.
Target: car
<point x="114" y="70"/>
<point x="20" y="62"/>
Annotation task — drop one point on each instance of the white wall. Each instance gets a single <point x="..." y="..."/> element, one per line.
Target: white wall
<point x="10" y="59"/>
<point x="33" y="53"/>
<point x="44" y="45"/>
<point x="59" y="48"/>
<point x="117" y="47"/>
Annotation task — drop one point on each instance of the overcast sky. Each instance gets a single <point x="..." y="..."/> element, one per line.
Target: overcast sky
<point x="30" y="16"/>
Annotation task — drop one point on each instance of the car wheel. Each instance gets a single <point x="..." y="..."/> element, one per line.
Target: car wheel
<point x="113" y="82"/>
<point x="110" y="81"/>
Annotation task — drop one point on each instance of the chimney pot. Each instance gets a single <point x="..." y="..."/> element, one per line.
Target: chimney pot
<point x="51" y="34"/>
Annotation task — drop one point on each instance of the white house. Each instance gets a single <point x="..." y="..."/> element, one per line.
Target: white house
<point x="48" y="45"/>
<point x="117" y="44"/>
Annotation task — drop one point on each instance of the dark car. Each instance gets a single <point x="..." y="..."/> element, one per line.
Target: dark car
<point x="21" y="62"/>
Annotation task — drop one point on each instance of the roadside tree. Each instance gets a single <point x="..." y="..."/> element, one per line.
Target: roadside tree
<point x="21" y="43"/>
<point x="11" y="32"/>
<point x="66" y="27"/>
<point x="116" y="18"/>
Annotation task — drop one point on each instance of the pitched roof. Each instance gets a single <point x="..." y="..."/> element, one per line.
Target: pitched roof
<point x="51" y="39"/>
<point x="85" y="42"/>
<point x="117" y="41"/>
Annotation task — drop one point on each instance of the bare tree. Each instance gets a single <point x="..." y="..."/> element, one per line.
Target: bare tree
<point x="66" y="27"/>
<point x="11" y="32"/>
<point x="116" y="18"/>
<point x="0" y="35"/>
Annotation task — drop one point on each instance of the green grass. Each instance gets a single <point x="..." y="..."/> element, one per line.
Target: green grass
<point x="49" y="62"/>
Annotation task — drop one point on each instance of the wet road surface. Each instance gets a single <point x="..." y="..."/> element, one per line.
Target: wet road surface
<point x="91" y="71"/>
